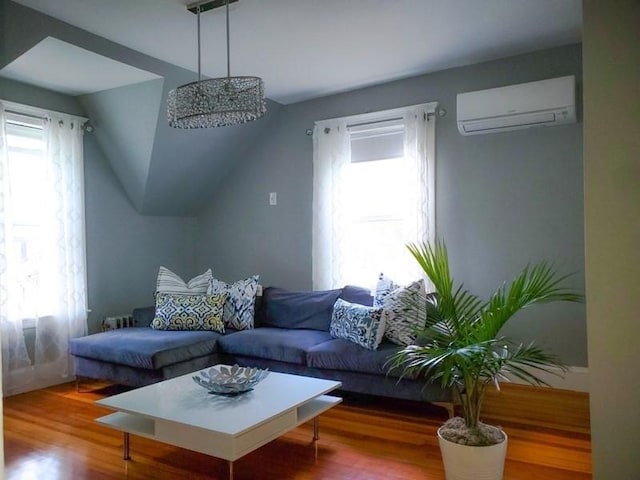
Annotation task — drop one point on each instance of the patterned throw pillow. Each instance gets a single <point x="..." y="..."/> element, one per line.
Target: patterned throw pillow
<point x="239" y="308"/>
<point x="189" y="312"/>
<point x="357" y="323"/>
<point x="400" y="324"/>
<point x="383" y="288"/>
<point x="169" y="282"/>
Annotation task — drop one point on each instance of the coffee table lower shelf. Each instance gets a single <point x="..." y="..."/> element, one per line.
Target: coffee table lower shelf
<point x="222" y="445"/>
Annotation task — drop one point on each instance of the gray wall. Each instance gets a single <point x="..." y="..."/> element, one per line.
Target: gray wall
<point x="124" y="248"/>
<point x="503" y="200"/>
<point x="125" y="119"/>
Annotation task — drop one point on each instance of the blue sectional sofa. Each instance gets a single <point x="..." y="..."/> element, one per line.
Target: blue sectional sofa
<point x="291" y="335"/>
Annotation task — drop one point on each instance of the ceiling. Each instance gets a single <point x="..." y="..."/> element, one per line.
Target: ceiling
<point x="310" y="48"/>
<point x="69" y="69"/>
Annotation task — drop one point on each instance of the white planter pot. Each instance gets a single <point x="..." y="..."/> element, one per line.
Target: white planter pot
<point x="462" y="462"/>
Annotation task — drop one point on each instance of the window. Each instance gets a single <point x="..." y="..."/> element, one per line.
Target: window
<point x="373" y="194"/>
<point x="25" y="172"/>
<point x="43" y="297"/>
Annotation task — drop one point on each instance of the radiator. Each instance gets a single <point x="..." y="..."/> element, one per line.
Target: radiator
<point x="118" y="321"/>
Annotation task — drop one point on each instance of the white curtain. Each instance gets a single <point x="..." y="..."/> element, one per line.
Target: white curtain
<point x="331" y="156"/>
<point x="419" y="151"/>
<point x="59" y="298"/>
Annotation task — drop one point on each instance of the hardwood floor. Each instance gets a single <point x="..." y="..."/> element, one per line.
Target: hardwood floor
<point x="51" y="434"/>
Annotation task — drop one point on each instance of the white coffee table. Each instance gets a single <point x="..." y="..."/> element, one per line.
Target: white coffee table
<point x="181" y="413"/>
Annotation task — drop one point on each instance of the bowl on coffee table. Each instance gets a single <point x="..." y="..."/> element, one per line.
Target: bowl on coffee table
<point x="229" y="381"/>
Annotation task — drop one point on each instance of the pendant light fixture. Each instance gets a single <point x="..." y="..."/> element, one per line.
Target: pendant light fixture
<point x="215" y="102"/>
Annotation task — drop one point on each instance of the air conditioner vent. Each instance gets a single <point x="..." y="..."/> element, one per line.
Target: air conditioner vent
<point x="533" y="104"/>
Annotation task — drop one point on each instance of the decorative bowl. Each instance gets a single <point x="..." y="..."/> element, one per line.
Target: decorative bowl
<point x="230" y="381"/>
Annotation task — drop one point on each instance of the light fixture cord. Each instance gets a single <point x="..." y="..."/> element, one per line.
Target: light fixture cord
<point x="199" y="69"/>
<point x="228" y="43"/>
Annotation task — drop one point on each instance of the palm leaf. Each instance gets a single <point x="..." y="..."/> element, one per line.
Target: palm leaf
<point x="460" y="346"/>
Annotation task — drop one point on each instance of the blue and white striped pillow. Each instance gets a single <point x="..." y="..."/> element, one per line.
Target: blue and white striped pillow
<point x="169" y="282"/>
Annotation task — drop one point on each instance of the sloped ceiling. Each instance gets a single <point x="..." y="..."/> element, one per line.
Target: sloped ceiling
<point x="164" y="171"/>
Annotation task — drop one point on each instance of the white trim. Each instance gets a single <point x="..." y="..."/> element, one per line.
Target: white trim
<point x="576" y="379"/>
<point x="37" y="385"/>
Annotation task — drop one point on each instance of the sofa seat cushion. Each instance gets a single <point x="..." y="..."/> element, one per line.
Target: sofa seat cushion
<point x="271" y="343"/>
<point x="340" y="354"/>
<point x="145" y="347"/>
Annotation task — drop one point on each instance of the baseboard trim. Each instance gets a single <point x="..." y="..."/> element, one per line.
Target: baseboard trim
<point x="576" y="379"/>
<point x="36" y="385"/>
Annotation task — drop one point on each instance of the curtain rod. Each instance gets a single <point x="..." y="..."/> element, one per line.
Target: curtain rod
<point x="34" y="112"/>
<point x="309" y="132"/>
<point x="42" y="117"/>
<point x="430" y="108"/>
<point x="86" y="125"/>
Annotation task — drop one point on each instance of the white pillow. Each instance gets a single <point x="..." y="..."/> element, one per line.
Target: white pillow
<point x="384" y="287"/>
<point x="169" y="282"/>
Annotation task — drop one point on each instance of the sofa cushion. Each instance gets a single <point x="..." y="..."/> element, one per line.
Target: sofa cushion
<point x="359" y="295"/>
<point x="189" y="312"/>
<point x="357" y="323"/>
<point x="306" y="310"/>
<point x="340" y="354"/>
<point x="143" y="316"/>
<point x="285" y="345"/>
<point x="239" y="308"/>
<point x="145" y="347"/>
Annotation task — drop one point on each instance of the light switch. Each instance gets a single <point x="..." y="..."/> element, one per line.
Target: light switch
<point x="273" y="198"/>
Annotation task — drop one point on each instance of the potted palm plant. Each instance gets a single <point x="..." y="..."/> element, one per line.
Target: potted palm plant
<point x="462" y="348"/>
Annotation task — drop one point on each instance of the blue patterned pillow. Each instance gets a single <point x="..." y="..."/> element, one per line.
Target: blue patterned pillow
<point x="383" y="288"/>
<point x="239" y="309"/>
<point x="189" y="312"/>
<point x="357" y="323"/>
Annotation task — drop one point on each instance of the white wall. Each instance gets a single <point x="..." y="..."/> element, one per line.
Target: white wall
<point x="611" y="61"/>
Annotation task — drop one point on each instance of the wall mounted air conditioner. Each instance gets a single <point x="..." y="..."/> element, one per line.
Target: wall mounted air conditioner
<point x="533" y="104"/>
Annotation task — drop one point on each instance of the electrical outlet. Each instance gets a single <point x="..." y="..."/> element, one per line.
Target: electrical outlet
<point x="273" y="198"/>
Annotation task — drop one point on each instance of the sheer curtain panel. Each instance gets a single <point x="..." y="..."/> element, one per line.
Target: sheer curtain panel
<point x="43" y="294"/>
<point x="331" y="156"/>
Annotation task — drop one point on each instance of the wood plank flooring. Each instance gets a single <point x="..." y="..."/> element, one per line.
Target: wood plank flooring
<point x="51" y="434"/>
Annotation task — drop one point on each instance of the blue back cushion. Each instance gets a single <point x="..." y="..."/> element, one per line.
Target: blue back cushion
<point x="287" y="309"/>
<point x="144" y="316"/>
<point x="359" y="295"/>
